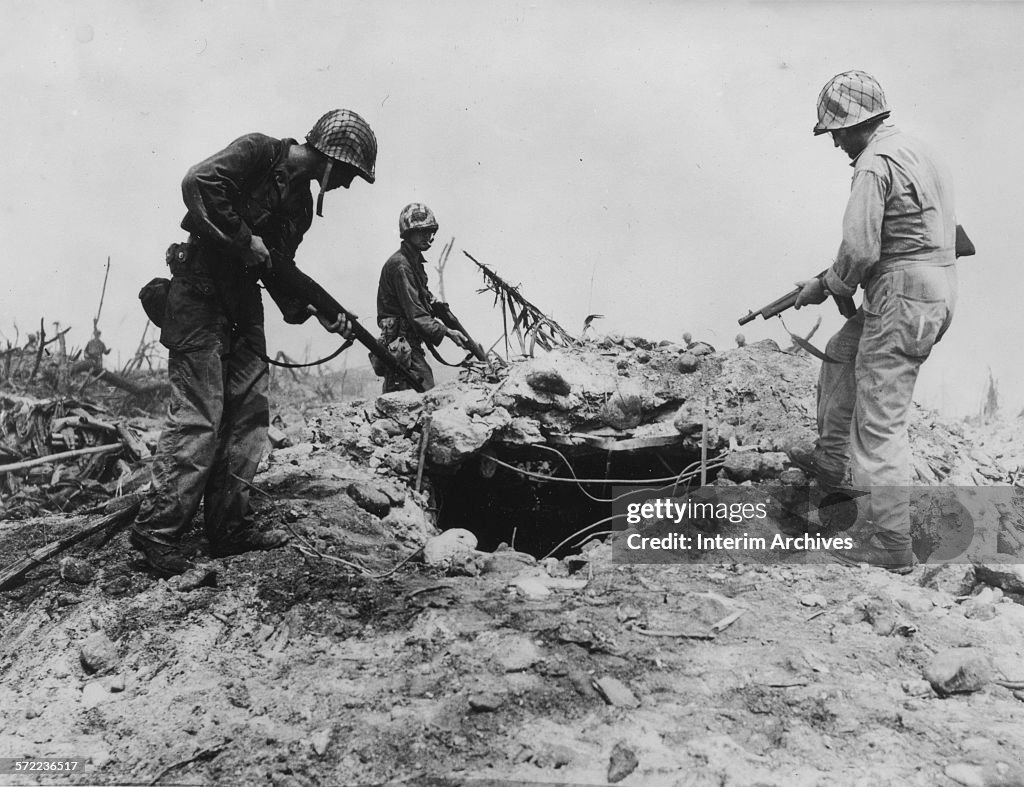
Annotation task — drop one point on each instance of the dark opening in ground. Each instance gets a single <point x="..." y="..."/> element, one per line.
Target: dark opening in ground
<point x="501" y="505"/>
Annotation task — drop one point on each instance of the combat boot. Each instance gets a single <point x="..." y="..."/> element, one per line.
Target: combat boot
<point x="164" y="558"/>
<point x="248" y="540"/>
<point x="813" y="463"/>
<point x="869" y="548"/>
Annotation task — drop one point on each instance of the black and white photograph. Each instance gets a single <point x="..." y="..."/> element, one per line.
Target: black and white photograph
<point x="470" y="394"/>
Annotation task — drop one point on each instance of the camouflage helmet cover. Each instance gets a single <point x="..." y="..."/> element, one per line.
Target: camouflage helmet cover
<point x="849" y="99"/>
<point x="344" y="136"/>
<point x="416" y="216"/>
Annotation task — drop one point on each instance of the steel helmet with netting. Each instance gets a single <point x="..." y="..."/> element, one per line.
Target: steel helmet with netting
<point x="343" y="135"/>
<point x="416" y="216"/>
<point x="849" y="99"/>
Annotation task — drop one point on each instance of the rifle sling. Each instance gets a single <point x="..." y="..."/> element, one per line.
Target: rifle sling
<point x="437" y="357"/>
<point x="805" y="345"/>
<point x="345" y="345"/>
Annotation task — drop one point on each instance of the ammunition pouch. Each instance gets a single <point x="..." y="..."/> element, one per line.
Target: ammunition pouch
<point x="154" y="299"/>
<point x="392" y="338"/>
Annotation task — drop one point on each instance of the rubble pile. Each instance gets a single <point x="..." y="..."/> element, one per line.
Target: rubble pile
<point x="753" y="398"/>
<point x="654" y="407"/>
<point x="61" y="454"/>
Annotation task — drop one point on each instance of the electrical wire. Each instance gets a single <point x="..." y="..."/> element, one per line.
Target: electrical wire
<point x="580" y="532"/>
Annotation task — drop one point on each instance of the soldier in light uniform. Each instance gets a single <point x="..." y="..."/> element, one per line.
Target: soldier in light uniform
<point x="899" y="233"/>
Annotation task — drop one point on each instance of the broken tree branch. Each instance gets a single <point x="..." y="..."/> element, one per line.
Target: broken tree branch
<point x="526" y="317"/>
<point x="19" y="568"/>
<point x="50" y="458"/>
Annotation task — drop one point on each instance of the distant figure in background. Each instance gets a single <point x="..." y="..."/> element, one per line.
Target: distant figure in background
<point x="405" y="312"/>
<point x="95" y="350"/>
<point x="899" y="240"/>
<point x="249" y="207"/>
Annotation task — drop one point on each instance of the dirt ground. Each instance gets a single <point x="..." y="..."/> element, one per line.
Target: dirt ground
<point x="321" y="664"/>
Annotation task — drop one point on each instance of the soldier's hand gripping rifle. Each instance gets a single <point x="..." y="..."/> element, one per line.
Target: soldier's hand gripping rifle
<point x="963" y="248"/>
<point x="444" y="313"/>
<point x="844" y="302"/>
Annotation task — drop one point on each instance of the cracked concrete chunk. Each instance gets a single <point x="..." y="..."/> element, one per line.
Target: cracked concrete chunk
<point x="615" y="692"/>
<point x="754" y="465"/>
<point x="958" y="671"/>
<point x="369" y="498"/>
<point x="98" y="653"/>
<point x="442" y="549"/>
<point x="548" y="381"/>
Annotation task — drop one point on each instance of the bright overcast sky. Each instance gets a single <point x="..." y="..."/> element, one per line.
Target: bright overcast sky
<point x="649" y="161"/>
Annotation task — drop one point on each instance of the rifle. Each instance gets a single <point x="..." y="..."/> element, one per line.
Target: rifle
<point x="444" y="313"/>
<point x="964" y="248"/>
<point x="844" y="302"/>
<point x="284" y="274"/>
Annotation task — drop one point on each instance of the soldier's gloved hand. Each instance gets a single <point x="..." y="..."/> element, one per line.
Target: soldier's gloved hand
<point x="458" y="337"/>
<point x="258" y="257"/>
<point x="812" y="291"/>
<point x="340" y="325"/>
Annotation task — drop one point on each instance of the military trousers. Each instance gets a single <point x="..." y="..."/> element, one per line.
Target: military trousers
<point x="864" y="399"/>
<point x="217" y="426"/>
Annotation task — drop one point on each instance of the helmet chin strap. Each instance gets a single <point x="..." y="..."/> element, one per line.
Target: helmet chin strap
<point x="323" y="187"/>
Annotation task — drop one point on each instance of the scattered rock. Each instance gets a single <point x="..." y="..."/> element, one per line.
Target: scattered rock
<point x="100" y="757"/>
<point x="1008" y="577"/>
<point x="548" y="381"/>
<point x="485" y="702"/>
<point x="75" y="570"/>
<point x="93" y="693"/>
<point x="622" y="762"/>
<point x="442" y="549"/>
<point x="278" y="439"/>
<point x="113" y="683"/>
<point x="689" y="419"/>
<point x="793" y="476"/>
<point x="319" y="741"/>
<point x="880" y="612"/>
<point x="754" y="465"/>
<point x="957" y="579"/>
<point x="813" y="600"/>
<point x="916" y="688"/>
<point x="623" y="410"/>
<point x="554" y="567"/>
<point x="369" y="498"/>
<point x="521" y="431"/>
<point x="687" y="362"/>
<point x="555" y="756"/>
<point x="455" y="435"/>
<point x="403" y="407"/>
<point x="999" y="774"/>
<point x="507" y="562"/>
<point x="98" y="654"/>
<point x="518" y="654"/>
<point x="615" y="692"/>
<point x="913" y="601"/>
<point x="958" y="670"/>
<point x="531" y="587"/>
<point x="198" y="577"/>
